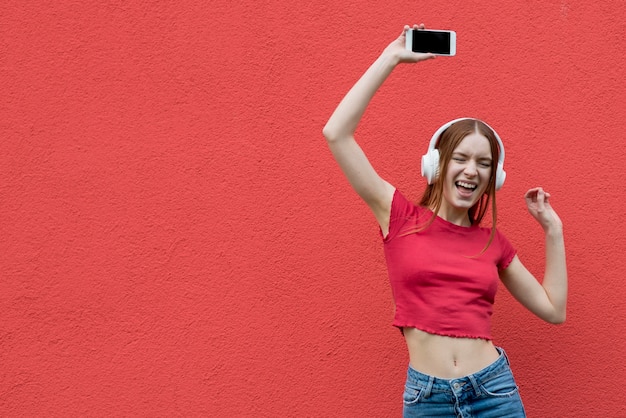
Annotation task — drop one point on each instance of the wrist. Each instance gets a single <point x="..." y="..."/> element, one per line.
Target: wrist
<point x="390" y="56"/>
<point x="553" y="231"/>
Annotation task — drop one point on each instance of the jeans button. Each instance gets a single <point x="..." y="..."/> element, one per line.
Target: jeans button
<point x="456" y="385"/>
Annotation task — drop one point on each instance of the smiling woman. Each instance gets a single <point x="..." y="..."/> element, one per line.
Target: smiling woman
<point x="465" y="148"/>
<point x="443" y="267"/>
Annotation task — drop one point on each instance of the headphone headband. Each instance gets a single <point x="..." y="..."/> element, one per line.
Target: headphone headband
<point x="430" y="161"/>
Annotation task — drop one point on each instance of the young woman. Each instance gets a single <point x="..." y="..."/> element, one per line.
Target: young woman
<point x="444" y="267"/>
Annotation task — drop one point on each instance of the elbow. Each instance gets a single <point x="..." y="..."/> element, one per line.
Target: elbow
<point x="334" y="132"/>
<point x="558" y="318"/>
<point x="329" y="133"/>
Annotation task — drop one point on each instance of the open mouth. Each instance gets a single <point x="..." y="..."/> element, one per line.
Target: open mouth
<point x="464" y="188"/>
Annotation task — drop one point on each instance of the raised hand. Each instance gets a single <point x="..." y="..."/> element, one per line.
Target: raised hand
<point x="538" y="204"/>
<point x="398" y="48"/>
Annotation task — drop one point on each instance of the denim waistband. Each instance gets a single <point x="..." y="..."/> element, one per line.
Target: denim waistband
<point x="461" y="384"/>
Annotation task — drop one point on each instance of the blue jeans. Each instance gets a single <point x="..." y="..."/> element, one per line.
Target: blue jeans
<point x="489" y="393"/>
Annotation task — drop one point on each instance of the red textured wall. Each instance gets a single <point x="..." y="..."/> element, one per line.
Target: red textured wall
<point x="177" y="240"/>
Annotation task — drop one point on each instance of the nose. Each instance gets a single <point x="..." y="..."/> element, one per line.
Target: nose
<point x="470" y="169"/>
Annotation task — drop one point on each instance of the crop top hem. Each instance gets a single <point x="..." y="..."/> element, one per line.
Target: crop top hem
<point x="443" y="334"/>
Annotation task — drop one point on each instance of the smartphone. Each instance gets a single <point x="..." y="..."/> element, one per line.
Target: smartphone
<point x="438" y="42"/>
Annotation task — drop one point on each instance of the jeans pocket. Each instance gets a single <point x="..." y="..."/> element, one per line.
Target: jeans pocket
<point x="411" y="394"/>
<point x="500" y="386"/>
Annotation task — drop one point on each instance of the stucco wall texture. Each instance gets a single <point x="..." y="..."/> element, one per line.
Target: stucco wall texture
<point x="176" y="239"/>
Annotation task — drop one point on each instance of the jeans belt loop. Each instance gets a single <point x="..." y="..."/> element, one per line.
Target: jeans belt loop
<point x="474" y="384"/>
<point x="429" y="387"/>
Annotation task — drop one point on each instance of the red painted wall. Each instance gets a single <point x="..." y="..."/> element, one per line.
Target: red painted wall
<point x="177" y="240"/>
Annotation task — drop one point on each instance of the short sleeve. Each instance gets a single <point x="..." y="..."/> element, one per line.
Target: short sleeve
<point x="402" y="211"/>
<point x="507" y="252"/>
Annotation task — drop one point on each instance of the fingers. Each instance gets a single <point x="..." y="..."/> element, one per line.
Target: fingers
<point x="410" y="56"/>
<point x="538" y="205"/>
<point x="531" y="194"/>
<point x="415" y="26"/>
<point x="538" y="197"/>
<point x="534" y="193"/>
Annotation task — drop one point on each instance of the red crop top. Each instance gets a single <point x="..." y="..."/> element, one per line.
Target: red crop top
<point x="439" y="282"/>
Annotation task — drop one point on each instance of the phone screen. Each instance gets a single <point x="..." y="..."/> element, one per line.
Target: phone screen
<point x="430" y="41"/>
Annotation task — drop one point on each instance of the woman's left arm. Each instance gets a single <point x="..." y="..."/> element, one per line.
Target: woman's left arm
<point x="547" y="300"/>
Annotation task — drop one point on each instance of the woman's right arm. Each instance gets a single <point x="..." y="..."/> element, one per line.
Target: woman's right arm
<point x="340" y="128"/>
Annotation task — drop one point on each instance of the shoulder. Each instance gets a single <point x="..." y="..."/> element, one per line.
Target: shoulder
<point x="401" y="206"/>
<point x="404" y="213"/>
<point x="501" y="237"/>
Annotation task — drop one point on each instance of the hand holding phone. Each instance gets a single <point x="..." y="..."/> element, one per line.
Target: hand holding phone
<point x="437" y="42"/>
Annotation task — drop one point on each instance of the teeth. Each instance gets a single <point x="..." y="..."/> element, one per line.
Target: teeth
<point x="466" y="185"/>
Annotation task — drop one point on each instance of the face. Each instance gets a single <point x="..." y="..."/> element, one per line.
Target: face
<point x="466" y="177"/>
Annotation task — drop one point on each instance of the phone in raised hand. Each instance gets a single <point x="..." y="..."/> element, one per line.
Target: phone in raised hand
<point x="438" y="42"/>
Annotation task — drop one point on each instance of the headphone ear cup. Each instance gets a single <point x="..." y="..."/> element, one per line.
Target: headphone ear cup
<point x="500" y="176"/>
<point x="430" y="165"/>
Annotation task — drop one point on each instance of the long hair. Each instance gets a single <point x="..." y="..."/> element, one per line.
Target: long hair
<point x="446" y="144"/>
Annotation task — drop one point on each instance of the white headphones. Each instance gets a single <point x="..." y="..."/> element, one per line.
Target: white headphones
<point x="430" y="160"/>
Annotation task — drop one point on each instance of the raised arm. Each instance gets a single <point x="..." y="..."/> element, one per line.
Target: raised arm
<point x="548" y="299"/>
<point x="340" y="128"/>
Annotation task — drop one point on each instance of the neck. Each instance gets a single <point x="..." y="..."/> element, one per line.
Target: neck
<point x="455" y="216"/>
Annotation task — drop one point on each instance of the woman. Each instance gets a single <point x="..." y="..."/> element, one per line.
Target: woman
<point x="443" y="267"/>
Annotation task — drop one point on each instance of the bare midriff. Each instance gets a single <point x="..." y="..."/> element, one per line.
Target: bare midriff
<point x="448" y="357"/>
